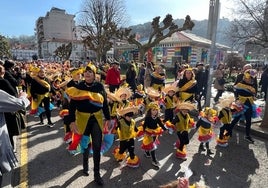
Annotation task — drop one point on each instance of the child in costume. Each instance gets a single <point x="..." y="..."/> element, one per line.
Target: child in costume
<point x="126" y="130"/>
<point x="183" y="122"/>
<point x="158" y="78"/>
<point x="56" y="92"/>
<point x="152" y="96"/>
<point x="69" y="81"/>
<point x="225" y="119"/>
<point x="208" y="117"/>
<point x="124" y="93"/>
<point x="139" y="97"/>
<point x="170" y="101"/>
<point x="114" y="104"/>
<point x="40" y="93"/>
<point x="152" y="127"/>
<point x="187" y="87"/>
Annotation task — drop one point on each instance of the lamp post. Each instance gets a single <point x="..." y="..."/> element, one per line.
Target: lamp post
<point x="74" y="33"/>
<point x="214" y="8"/>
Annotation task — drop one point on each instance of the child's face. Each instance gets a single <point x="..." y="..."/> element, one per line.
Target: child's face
<point x="184" y="112"/>
<point x="171" y="93"/>
<point x="128" y="118"/>
<point x="154" y="112"/>
<point x="123" y="97"/>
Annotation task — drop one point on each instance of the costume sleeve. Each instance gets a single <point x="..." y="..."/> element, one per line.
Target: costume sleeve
<point x="175" y="120"/>
<point x="105" y="108"/>
<point x="160" y="123"/>
<point x="198" y="123"/>
<point x="146" y="121"/>
<point x="11" y="103"/>
<point x="220" y="115"/>
<point x="72" y="109"/>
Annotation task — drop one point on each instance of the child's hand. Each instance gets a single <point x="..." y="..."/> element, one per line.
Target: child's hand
<point x="183" y="182"/>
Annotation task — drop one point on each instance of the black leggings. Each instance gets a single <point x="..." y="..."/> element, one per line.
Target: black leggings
<point x="129" y="145"/>
<point x="93" y="129"/>
<point x="247" y="114"/>
<point x="184" y="139"/>
<point x="46" y="103"/>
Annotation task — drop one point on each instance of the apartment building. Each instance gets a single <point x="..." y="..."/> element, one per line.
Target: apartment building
<point x="55" y="29"/>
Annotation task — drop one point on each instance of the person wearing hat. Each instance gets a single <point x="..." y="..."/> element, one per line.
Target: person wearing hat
<point x="88" y="105"/>
<point x="13" y="121"/>
<point x="9" y="74"/>
<point x="183" y="122"/>
<point x="245" y="91"/>
<point x="152" y="96"/>
<point x="152" y="127"/>
<point x="201" y="82"/>
<point x="219" y="81"/>
<point x="149" y="69"/>
<point x="40" y="92"/>
<point x="74" y="77"/>
<point x="158" y="78"/>
<point x="141" y="74"/>
<point x="126" y="130"/>
<point x="114" y="103"/>
<point x="56" y="91"/>
<point x="225" y="119"/>
<point x="139" y="97"/>
<point x="131" y="78"/>
<point x="187" y="86"/>
<point x="208" y="117"/>
<point x="240" y="76"/>
<point x="169" y="101"/>
<point x="124" y="93"/>
<point x="113" y="77"/>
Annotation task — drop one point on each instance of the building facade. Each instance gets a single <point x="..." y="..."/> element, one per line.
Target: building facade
<point x="54" y="30"/>
<point x="180" y="47"/>
<point x="23" y="54"/>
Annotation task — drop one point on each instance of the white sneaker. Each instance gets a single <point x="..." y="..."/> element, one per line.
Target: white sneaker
<point x="156" y="163"/>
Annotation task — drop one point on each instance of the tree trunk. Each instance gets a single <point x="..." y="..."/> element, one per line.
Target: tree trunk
<point x="264" y="122"/>
<point x="141" y="55"/>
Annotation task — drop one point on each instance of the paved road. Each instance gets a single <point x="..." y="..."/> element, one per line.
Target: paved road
<point x="50" y="165"/>
<point x="46" y="163"/>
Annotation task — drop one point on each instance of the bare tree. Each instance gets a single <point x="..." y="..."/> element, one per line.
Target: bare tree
<point x="233" y="60"/>
<point x="4" y="47"/>
<point x="251" y="23"/>
<point x="252" y="27"/>
<point x="99" y="22"/>
<point x="158" y="33"/>
<point x="64" y="51"/>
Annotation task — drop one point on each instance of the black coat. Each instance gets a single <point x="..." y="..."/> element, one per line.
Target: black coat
<point x="14" y="120"/>
<point x="264" y="81"/>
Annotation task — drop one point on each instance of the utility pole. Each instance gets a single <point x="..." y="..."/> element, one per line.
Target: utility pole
<point x="212" y="30"/>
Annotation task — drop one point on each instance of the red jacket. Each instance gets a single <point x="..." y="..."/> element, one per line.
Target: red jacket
<point x="113" y="77"/>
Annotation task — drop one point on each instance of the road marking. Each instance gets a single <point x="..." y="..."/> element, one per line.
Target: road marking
<point x="24" y="160"/>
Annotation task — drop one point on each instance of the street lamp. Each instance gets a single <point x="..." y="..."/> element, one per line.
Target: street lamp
<point x="74" y="33"/>
<point x="214" y="24"/>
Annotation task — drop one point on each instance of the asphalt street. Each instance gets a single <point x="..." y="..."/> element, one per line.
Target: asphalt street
<point x="48" y="164"/>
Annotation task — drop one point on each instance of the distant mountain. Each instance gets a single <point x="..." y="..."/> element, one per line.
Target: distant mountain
<point x="199" y="29"/>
